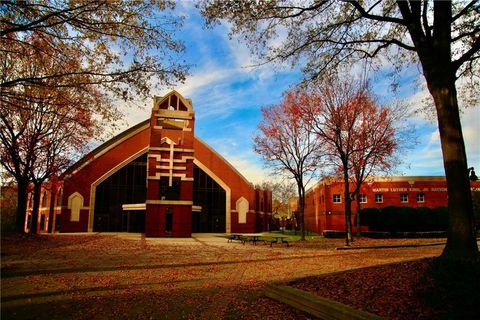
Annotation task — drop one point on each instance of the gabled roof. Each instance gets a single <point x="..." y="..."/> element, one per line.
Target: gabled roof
<point x="173" y="100"/>
<point x="106" y="146"/>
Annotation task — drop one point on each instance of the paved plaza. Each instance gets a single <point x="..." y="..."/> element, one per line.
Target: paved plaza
<point x="128" y="276"/>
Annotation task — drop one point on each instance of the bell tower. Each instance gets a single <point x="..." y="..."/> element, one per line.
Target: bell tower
<point x="170" y="167"/>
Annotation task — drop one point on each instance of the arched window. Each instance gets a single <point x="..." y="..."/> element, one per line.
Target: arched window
<point x="242" y="209"/>
<point x="59" y="197"/>
<point x="30" y="202"/>
<point x="44" y="199"/>
<point x="75" y="204"/>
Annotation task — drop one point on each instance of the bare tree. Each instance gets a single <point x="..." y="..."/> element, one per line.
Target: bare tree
<point x="282" y="192"/>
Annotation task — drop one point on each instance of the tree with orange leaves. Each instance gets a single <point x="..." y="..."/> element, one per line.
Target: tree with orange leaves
<point x="287" y="144"/>
<point x="379" y="137"/>
<point x="44" y="127"/>
<point x="357" y="135"/>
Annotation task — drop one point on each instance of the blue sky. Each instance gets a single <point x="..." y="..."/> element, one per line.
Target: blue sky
<point x="227" y="96"/>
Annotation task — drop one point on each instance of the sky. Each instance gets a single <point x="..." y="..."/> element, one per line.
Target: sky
<point x="227" y="94"/>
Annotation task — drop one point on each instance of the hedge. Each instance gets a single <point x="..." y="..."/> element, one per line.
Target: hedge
<point x="405" y="219"/>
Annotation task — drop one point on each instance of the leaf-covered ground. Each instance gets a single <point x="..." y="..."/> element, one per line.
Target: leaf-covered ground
<point x="125" y="276"/>
<point x="389" y="291"/>
<point x="421" y="289"/>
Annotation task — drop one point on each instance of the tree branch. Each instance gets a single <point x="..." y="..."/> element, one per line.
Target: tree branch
<point x="34" y="24"/>
<point x="467" y="55"/>
<point x="364" y="13"/>
<point x="464" y="10"/>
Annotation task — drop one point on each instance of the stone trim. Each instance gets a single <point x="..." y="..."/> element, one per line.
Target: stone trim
<point x="170" y="202"/>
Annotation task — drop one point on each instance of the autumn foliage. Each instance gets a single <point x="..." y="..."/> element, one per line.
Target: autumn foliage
<point x="358" y="136"/>
<point x="336" y="127"/>
<point x="43" y="126"/>
<point x="63" y="65"/>
<point x="287" y="144"/>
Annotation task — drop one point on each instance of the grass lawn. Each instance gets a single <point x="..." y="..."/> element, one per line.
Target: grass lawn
<point x="125" y="276"/>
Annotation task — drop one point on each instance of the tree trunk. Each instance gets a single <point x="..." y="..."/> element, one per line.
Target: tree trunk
<point x="436" y="59"/>
<point x="461" y="239"/>
<point x="51" y="211"/>
<point x="348" y="211"/>
<point x="36" y="204"/>
<point x="359" y="232"/>
<point x="21" y="205"/>
<point x="301" y="206"/>
<point x="301" y="210"/>
<point x="302" y="224"/>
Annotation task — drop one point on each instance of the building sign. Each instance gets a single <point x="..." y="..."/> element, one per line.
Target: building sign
<point x="409" y="190"/>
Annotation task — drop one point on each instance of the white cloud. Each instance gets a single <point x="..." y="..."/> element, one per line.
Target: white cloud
<point x="471" y="135"/>
<point x="203" y="78"/>
<point x="252" y="171"/>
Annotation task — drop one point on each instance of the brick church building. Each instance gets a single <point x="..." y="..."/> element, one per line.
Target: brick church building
<point x="158" y="178"/>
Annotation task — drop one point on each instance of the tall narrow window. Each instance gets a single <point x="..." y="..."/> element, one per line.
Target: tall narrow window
<point x="59" y="197"/>
<point x="44" y="199"/>
<point x="379" y="198"/>
<point x="30" y="202"/>
<point x="404" y="198"/>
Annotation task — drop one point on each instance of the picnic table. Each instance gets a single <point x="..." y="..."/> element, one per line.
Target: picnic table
<point x="256" y="237"/>
<point x="277" y="239"/>
<point x="235" y="236"/>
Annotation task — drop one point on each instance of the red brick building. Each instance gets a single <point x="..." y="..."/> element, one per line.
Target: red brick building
<point x="159" y="178"/>
<point x="324" y="203"/>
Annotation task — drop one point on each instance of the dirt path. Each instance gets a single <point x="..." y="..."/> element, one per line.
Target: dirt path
<point x="122" y="276"/>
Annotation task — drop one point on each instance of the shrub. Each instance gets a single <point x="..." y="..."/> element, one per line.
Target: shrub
<point x="369" y="216"/>
<point x="333" y="234"/>
<point x="441" y="218"/>
<point x="405" y="219"/>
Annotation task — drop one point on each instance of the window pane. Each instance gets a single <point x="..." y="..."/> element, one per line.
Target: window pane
<point x="420" y="197"/>
<point x="127" y="185"/>
<point x="337" y="198"/>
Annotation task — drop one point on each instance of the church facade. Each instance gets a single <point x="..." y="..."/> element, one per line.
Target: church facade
<point x="158" y="178"/>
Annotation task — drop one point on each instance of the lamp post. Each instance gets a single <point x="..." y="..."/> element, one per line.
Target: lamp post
<point x="471" y="174"/>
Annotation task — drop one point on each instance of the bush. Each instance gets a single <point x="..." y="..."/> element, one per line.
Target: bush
<point x="333" y="234"/>
<point x="405" y="219"/>
<point x="441" y="218"/>
<point x="369" y="216"/>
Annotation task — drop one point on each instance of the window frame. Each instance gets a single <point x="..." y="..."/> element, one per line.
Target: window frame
<point x="403" y="200"/>
<point x="363" y="198"/>
<point x="337" y="198"/>
<point x="420" y="197"/>
<point x="378" y="196"/>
